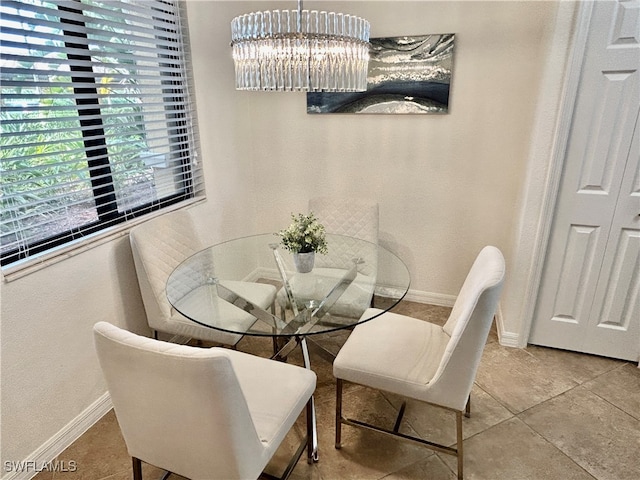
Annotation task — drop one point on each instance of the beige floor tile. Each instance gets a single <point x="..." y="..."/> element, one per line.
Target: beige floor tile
<point x="148" y="472"/>
<point x="578" y="367"/>
<point x="621" y="387"/>
<point x="579" y="404"/>
<point x="304" y="471"/>
<point x="364" y="455"/>
<point x="431" y="313"/>
<point x="513" y="451"/>
<point x="285" y="452"/>
<point x="594" y="433"/>
<point x="259" y="346"/>
<point x="44" y="475"/>
<point x="332" y="341"/>
<point x="99" y="453"/>
<point x="439" y="425"/>
<point x="432" y="469"/>
<point x="518" y="379"/>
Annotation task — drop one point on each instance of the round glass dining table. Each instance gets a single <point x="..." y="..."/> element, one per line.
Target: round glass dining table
<point x="336" y="294"/>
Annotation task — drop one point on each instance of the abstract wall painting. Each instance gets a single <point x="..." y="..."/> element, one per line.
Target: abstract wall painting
<point x="407" y="75"/>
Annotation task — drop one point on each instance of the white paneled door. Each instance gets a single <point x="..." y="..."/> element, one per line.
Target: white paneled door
<point x="589" y="298"/>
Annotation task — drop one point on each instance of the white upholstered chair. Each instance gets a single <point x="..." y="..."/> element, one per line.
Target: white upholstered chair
<point x="352" y="218"/>
<point x="212" y="413"/>
<point x="158" y="246"/>
<point x="423" y="361"/>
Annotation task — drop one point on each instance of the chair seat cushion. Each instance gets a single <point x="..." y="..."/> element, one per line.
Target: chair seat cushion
<point x="260" y="294"/>
<point x="392" y="352"/>
<point x="353" y="301"/>
<point x="275" y="393"/>
<point x="209" y="310"/>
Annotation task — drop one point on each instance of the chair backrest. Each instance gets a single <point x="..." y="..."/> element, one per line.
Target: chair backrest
<point x="352" y="217"/>
<point x="468" y="327"/>
<point x="158" y="246"/>
<point x="179" y="408"/>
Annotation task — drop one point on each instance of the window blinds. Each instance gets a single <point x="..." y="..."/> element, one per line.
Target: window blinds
<point x="96" y="121"/>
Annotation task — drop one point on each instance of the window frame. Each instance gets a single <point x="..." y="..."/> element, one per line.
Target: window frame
<point x="97" y="155"/>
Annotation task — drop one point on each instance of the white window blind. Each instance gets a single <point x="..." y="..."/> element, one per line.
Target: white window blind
<point x="96" y="121"/>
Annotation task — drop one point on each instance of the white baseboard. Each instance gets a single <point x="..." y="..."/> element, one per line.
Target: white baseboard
<point x="439" y="299"/>
<point x="262" y="272"/>
<point x="507" y="339"/>
<point x="47" y="452"/>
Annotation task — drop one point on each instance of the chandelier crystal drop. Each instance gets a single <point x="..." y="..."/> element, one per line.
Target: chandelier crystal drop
<point x="300" y="51"/>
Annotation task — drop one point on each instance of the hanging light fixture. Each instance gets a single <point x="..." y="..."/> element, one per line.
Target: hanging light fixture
<point x="300" y="51"/>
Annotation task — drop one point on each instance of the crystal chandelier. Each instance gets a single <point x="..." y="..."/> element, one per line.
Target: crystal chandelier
<point x="300" y="51"/>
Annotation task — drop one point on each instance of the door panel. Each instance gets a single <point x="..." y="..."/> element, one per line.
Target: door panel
<point x="577" y="265"/>
<point x="610" y="114"/>
<point x="621" y="288"/>
<point x="625" y="24"/>
<point x="616" y="322"/>
<point x="588" y="298"/>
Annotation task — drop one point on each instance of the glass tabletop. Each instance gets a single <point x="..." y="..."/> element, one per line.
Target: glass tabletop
<point x="222" y="286"/>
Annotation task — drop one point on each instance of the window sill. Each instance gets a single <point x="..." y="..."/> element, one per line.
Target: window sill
<point x="30" y="265"/>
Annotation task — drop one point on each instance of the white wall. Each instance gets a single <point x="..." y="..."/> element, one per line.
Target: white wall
<point x="447" y="185"/>
<point x="49" y="370"/>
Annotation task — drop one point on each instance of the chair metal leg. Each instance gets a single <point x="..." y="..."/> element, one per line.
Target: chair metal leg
<point x="314" y="431"/>
<point x="137" y="468"/>
<point x="274" y="339"/>
<point x="456" y="451"/>
<point x="310" y="452"/>
<point x="306" y="444"/>
<point x="396" y="427"/>
<point x="459" y="452"/>
<point x="338" y="443"/>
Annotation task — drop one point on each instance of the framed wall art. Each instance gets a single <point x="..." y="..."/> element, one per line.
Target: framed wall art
<point x="407" y="75"/>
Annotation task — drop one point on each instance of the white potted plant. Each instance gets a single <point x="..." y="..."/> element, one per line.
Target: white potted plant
<point x="304" y="237"/>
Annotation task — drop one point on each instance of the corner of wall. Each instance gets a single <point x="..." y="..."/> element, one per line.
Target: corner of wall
<point x="506" y="338"/>
<point x="46" y="453"/>
<point x="540" y="185"/>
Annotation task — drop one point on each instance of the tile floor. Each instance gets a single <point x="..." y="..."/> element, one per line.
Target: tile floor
<point x="537" y="413"/>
